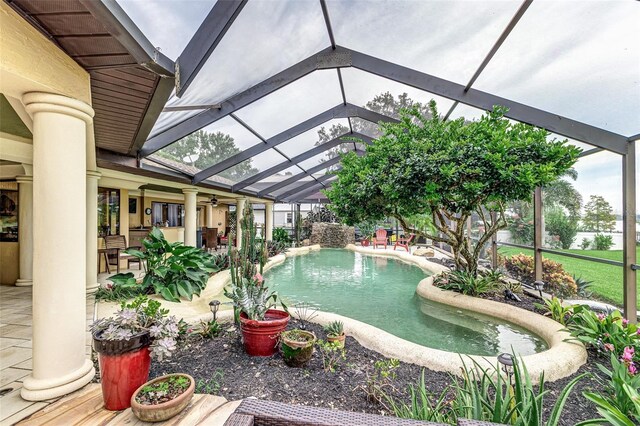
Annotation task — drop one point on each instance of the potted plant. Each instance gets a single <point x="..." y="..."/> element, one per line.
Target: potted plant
<point x="297" y="347"/>
<point x="125" y="344"/>
<point x="163" y="397"/>
<point x="367" y="229"/>
<point x="252" y="301"/>
<point x="335" y="332"/>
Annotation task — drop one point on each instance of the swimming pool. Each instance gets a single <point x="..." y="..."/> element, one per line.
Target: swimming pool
<point x="381" y="292"/>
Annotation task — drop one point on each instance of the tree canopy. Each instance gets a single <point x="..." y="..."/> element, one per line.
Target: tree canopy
<point x="448" y="169"/>
<point x="598" y="215"/>
<point x="207" y="149"/>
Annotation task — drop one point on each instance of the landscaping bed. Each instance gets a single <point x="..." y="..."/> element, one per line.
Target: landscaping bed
<point x="220" y="366"/>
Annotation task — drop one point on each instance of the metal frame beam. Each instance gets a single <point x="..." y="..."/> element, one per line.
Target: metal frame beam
<point x="304" y="186"/>
<point x="299" y="158"/>
<point x="299" y="176"/>
<point x="494" y="49"/>
<point x="205" y="41"/>
<point x="629" y="250"/>
<point x="554" y="123"/>
<point x="325" y="59"/>
<point x="301" y="194"/>
<point x="339" y="111"/>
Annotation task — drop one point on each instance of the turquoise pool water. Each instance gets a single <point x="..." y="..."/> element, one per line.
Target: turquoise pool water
<point x="382" y="292"/>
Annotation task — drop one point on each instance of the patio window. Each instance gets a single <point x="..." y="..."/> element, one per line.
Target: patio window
<point x="108" y="212"/>
<point x="8" y="215"/>
<point x="167" y="214"/>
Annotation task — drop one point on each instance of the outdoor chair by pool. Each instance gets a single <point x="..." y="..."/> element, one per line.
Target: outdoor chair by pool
<point x="256" y="412"/>
<point x="119" y="243"/>
<point x="380" y="239"/>
<point x="404" y="242"/>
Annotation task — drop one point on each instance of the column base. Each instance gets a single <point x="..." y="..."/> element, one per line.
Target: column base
<point x="40" y="390"/>
<point x="92" y="288"/>
<point x="23" y="283"/>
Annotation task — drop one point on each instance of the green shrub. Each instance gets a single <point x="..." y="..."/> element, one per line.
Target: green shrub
<point x="583" y="286"/>
<point x="619" y="404"/>
<point x="171" y="270"/>
<point x="276" y="247"/>
<point x="585" y="244"/>
<point x="281" y="235"/>
<point x="557" y="311"/>
<point x="485" y="394"/>
<point x="558" y="282"/>
<point x="560" y="225"/>
<point x="606" y="333"/>
<point x="465" y="282"/>
<point x="602" y="242"/>
<point x="332" y="354"/>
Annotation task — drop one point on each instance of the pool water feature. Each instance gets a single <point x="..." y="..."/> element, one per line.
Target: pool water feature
<point x="382" y="292"/>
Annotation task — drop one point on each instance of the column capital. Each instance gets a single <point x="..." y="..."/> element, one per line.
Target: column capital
<point x="268" y="203"/>
<point x="190" y="190"/>
<point x="24" y="179"/>
<point x="94" y="174"/>
<point x="49" y="102"/>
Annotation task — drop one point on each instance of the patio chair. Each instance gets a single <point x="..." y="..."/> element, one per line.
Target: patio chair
<point x="119" y="243"/>
<point x="210" y="238"/>
<point x="404" y="242"/>
<point x="380" y="239"/>
<point x="224" y="240"/>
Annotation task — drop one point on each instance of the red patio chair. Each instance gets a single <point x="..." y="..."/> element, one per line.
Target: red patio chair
<point x="380" y="239"/>
<point x="404" y="242"/>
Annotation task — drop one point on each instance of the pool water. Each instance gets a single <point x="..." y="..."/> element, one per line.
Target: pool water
<point x="382" y="292"/>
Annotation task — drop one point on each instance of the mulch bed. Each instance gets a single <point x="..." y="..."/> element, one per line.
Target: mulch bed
<point x="220" y="366"/>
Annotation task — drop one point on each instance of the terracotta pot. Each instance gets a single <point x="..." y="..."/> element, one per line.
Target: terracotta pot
<point x="365" y="243"/>
<point x="339" y="339"/>
<point x="260" y="338"/>
<point x="124" y="366"/>
<point x="294" y="352"/>
<point x="166" y="410"/>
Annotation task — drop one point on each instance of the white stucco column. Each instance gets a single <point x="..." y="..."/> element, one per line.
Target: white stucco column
<point x="209" y="216"/>
<point x="268" y="221"/>
<point x="25" y="230"/>
<point x="60" y="364"/>
<point x="241" y="202"/>
<point x="190" y="216"/>
<point x="92" y="230"/>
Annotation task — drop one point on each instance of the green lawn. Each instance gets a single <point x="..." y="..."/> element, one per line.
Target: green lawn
<point x="607" y="279"/>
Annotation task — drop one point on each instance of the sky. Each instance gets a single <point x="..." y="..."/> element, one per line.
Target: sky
<point x="579" y="59"/>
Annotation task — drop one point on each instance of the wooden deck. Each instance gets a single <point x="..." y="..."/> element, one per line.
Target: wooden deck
<point x="85" y="407"/>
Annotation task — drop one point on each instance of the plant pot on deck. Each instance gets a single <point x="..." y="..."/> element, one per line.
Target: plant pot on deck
<point x="297" y="347"/>
<point x="260" y="338"/>
<point x="124" y="367"/>
<point x="149" y="405"/>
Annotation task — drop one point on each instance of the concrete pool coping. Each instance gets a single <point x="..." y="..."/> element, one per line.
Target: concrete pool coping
<point x="560" y="360"/>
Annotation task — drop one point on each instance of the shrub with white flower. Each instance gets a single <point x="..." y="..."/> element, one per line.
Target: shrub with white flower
<point x="139" y="316"/>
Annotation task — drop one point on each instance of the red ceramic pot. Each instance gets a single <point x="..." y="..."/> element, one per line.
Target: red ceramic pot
<point x="124" y="367"/>
<point x="365" y="242"/>
<point x="261" y="338"/>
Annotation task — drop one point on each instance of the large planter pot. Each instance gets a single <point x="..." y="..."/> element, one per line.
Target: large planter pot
<point x="260" y="338"/>
<point x="297" y="347"/>
<point x="124" y="367"/>
<point x="165" y="410"/>
<point x="339" y="339"/>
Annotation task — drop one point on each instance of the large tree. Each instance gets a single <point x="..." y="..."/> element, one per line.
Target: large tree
<point x="206" y="149"/>
<point x="598" y="215"/>
<point x="448" y="169"/>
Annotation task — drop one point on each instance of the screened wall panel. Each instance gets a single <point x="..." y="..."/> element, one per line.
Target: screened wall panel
<point x="316" y="136"/>
<point x="446" y="39"/>
<point x="294" y="103"/>
<point x="584" y="64"/>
